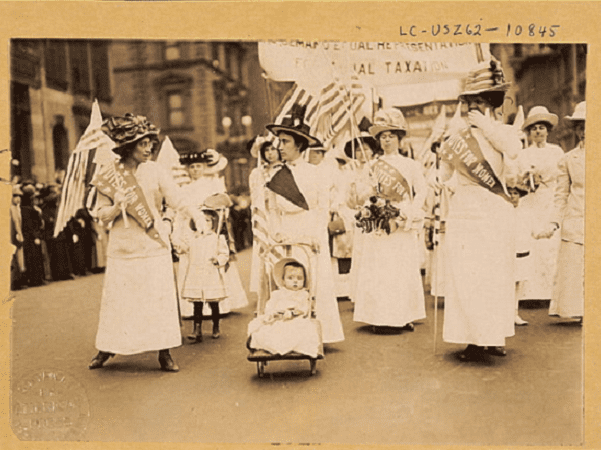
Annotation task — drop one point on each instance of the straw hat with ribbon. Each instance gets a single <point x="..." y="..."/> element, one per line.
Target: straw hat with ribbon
<point x="487" y="76"/>
<point x="214" y="161"/>
<point x="278" y="271"/>
<point x="128" y="129"/>
<point x="540" y="114"/>
<point x="579" y="112"/>
<point x="293" y="123"/>
<point x="388" y="120"/>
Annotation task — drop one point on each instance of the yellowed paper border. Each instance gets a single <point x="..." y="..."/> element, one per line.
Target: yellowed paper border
<point x="358" y="21"/>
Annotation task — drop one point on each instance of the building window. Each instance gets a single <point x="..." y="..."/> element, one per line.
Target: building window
<point x="215" y="52"/>
<point x="21" y="130"/>
<point x="56" y="64"/>
<point x="220" y="112"/>
<point x="80" y="69"/>
<point x="172" y="51"/>
<point x="175" y="108"/>
<point x="101" y="71"/>
<point x="60" y="144"/>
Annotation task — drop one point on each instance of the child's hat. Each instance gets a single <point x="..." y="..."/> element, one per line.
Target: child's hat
<point x="278" y="271"/>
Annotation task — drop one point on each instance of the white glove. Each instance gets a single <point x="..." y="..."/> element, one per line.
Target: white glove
<point x="479" y="120"/>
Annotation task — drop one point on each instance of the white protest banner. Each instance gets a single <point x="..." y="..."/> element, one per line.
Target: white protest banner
<point x="393" y="68"/>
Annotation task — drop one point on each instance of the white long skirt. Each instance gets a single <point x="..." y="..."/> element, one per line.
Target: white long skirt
<point x="138" y="310"/>
<point x="389" y="290"/>
<point x="479" y="274"/>
<point x="568" y="295"/>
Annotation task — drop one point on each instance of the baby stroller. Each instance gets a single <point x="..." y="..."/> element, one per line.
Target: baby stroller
<point x="312" y="331"/>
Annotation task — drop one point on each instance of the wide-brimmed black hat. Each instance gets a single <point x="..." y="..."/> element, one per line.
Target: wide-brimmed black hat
<point x="215" y="161"/>
<point x="294" y="123"/>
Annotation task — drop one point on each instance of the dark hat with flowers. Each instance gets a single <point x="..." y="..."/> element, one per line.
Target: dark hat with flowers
<point x="127" y="129"/>
<point x="294" y="123"/>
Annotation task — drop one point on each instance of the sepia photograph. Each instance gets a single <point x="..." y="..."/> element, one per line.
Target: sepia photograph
<point x="297" y="241"/>
<point x="257" y="238"/>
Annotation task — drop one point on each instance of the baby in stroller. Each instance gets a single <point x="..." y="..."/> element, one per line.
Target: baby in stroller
<point x="286" y="325"/>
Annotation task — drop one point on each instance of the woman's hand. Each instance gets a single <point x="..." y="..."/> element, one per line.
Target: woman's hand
<point x="546" y="232"/>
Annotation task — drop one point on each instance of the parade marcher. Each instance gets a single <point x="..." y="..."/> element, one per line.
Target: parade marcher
<point x="138" y="311"/>
<point x="523" y="246"/>
<point x="269" y="162"/>
<point x="568" y="293"/>
<point x="32" y="227"/>
<point x="298" y="200"/>
<point x="541" y="158"/>
<point x="361" y="152"/>
<point x="480" y="245"/>
<point x="205" y="169"/>
<point x="389" y="287"/>
<point x="204" y="282"/>
<point x="16" y="233"/>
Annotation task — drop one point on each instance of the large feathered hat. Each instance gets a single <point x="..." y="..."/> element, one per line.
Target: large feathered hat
<point x="487" y="76"/>
<point x="294" y="123"/>
<point x="127" y="129"/>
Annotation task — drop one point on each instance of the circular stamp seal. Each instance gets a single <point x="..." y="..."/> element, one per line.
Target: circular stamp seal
<point x="48" y="406"/>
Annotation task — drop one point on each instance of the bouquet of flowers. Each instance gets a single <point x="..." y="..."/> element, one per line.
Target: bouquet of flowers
<point x="528" y="181"/>
<point x="375" y="215"/>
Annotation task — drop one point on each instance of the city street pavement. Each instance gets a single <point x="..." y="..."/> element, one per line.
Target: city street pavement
<point x="370" y="389"/>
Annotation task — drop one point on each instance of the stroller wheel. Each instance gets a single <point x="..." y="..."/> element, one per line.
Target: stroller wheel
<point x="260" y="368"/>
<point x="313" y="366"/>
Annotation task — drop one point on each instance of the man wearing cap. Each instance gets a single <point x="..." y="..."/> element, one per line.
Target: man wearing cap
<point x="568" y="293"/>
<point x="541" y="159"/>
<point x="480" y="290"/>
<point x="299" y="201"/>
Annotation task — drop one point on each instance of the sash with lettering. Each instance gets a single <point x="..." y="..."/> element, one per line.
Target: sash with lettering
<point x="113" y="177"/>
<point x="392" y="185"/>
<point x="463" y="151"/>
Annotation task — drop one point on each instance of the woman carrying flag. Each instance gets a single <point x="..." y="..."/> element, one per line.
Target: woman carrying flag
<point x="138" y="310"/>
<point x="479" y="273"/>
<point x="389" y="291"/>
<point x="299" y="202"/>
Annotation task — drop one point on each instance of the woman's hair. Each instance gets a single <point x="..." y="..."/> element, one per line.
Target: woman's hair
<point x="263" y="150"/>
<point x="495" y="98"/>
<point x="300" y="142"/>
<point x="126" y="150"/>
<point x="295" y="264"/>
<point x="214" y="220"/>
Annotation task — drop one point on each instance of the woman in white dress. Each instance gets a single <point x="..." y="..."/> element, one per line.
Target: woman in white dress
<point x="568" y="293"/>
<point x="389" y="290"/>
<point x="540" y="158"/>
<point x="205" y="172"/>
<point x="269" y="161"/>
<point x="300" y="211"/>
<point x="138" y="310"/>
<point x="480" y="243"/>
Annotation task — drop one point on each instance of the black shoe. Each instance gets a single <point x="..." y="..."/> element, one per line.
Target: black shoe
<point x="197" y="335"/>
<point x="496" y="351"/>
<point x="216" y="331"/>
<point x="100" y="359"/>
<point x="472" y="353"/>
<point x="408" y="327"/>
<point x="166" y="362"/>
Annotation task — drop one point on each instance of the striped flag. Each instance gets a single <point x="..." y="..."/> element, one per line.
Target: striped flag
<point x="169" y="158"/>
<point x="82" y="165"/>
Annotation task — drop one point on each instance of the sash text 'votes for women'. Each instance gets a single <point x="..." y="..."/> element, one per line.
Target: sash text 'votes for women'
<point x="392" y="185"/>
<point x="463" y="151"/>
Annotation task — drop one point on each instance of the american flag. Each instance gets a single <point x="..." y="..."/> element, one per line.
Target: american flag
<point x="328" y="112"/>
<point x="81" y="168"/>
